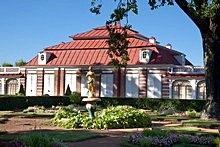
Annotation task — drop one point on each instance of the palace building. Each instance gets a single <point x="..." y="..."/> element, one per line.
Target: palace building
<point x="153" y="71"/>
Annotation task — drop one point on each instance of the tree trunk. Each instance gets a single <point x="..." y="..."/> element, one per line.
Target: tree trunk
<point x="211" y="46"/>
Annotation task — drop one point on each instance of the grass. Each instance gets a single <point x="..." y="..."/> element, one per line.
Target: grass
<point x="212" y="124"/>
<point x="168" y="118"/>
<point x="10" y="114"/>
<point x="188" y="130"/>
<point x="65" y="136"/>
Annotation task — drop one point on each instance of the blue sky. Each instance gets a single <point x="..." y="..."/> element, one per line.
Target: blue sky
<point x="29" y="26"/>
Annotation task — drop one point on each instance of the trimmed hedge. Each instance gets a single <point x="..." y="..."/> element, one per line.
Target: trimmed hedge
<point x="155" y="103"/>
<point x="22" y="102"/>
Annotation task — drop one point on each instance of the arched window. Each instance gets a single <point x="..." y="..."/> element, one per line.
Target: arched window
<point x="12" y="86"/>
<point x="201" y="90"/>
<point x="182" y="89"/>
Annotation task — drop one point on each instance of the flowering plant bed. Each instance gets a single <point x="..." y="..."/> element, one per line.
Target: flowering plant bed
<point x="170" y="140"/>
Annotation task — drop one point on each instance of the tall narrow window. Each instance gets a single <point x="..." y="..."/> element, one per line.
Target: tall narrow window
<point x="182" y="89"/>
<point x="107" y="85"/>
<point x="154" y="86"/>
<point x="84" y="87"/>
<point x="49" y="84"/>
<point x="70" y="80"/>
<point x="132" y="85"/>
<point x="31" y="87"/>
<point x="201" y="90"/>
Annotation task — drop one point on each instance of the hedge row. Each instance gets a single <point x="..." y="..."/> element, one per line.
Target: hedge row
<point x="156" y="103"/>
<point x="22" y="102"/>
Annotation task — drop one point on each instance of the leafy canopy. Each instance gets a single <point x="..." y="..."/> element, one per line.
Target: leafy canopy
<point x="197" y="10"/>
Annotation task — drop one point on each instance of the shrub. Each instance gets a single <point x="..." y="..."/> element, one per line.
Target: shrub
<point x="159" y="104"/>
<point x="111" y="117"/>
<point x="68" y="91"/>
<point x="75" y="97"/>
<point x="192" y="113"/>
<point x="21" y="90"/>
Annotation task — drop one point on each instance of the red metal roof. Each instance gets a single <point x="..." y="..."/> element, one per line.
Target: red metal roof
<point x="90" y="48"/>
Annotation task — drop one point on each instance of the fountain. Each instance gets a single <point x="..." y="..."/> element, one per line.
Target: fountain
<point x="91" y="100"/>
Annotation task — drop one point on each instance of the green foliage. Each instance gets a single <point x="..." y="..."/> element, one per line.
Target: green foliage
<point x="5" y="64"/>
<point x="68" y="118"/>
<point x="111" y="117"/>
<point x="21" y="90"/>
<point x="184" y="139"/>
<point x="156" y="104"/>
<point x="22" y="102"/>
<point x="217" y="140"/>
<point x="155" y="132"/>
<point x="118" y="45"/>
<point x="20" y="63"/>
<point x="68" y="91"/>
<point x="192" y="113"/>
<point x="38" y="139"/>
<point x="121" y="117"/>
<point x="146" y="142"/>
<point x="75" y="97"/>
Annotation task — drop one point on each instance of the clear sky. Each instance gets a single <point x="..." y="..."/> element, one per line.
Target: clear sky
<point x="29" y="26"/>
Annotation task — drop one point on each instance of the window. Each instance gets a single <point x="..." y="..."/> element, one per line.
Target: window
<point x="106" y="85"/>
<point x="201" y="90"/>
<point x="154" y="86"/>
<point x="31" y="88"/>
<point x="71" y="81"/>
<point x="182" y="89"/>
<point x="132" y="85"/>
<point x="12" y="86"/>
<point x="145" y="55"/>
<point x="84" y="87"/>
<point x="49" y="84"/>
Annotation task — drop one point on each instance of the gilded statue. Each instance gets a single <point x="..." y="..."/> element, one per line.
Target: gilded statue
<point x="91" y="83"/>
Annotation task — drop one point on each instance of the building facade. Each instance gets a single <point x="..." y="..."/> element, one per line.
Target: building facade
<point x="153" y="71"/>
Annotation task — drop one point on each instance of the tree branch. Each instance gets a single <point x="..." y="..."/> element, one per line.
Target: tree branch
<point x="200" y="23"/>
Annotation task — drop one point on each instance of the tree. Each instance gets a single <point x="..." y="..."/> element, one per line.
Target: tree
<point x="20" y="63"/>
<point x="5" y="64"/>
<point x="68" y="91"/>
<point x="205" y="14"/>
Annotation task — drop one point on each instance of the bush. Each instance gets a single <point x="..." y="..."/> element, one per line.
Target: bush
<point x="75" y="97"/>
<point x="192" y="113"/>
<point x="68" y="91"/>
<point x="22" y="102"/>
<point x="159" y="104"/>
<point x="111" y="117"/>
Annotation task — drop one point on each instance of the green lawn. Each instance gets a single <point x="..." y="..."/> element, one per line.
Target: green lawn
<point x="65" y="136"/>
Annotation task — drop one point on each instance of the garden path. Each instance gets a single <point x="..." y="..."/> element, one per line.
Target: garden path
<point x="113" y="136"/>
